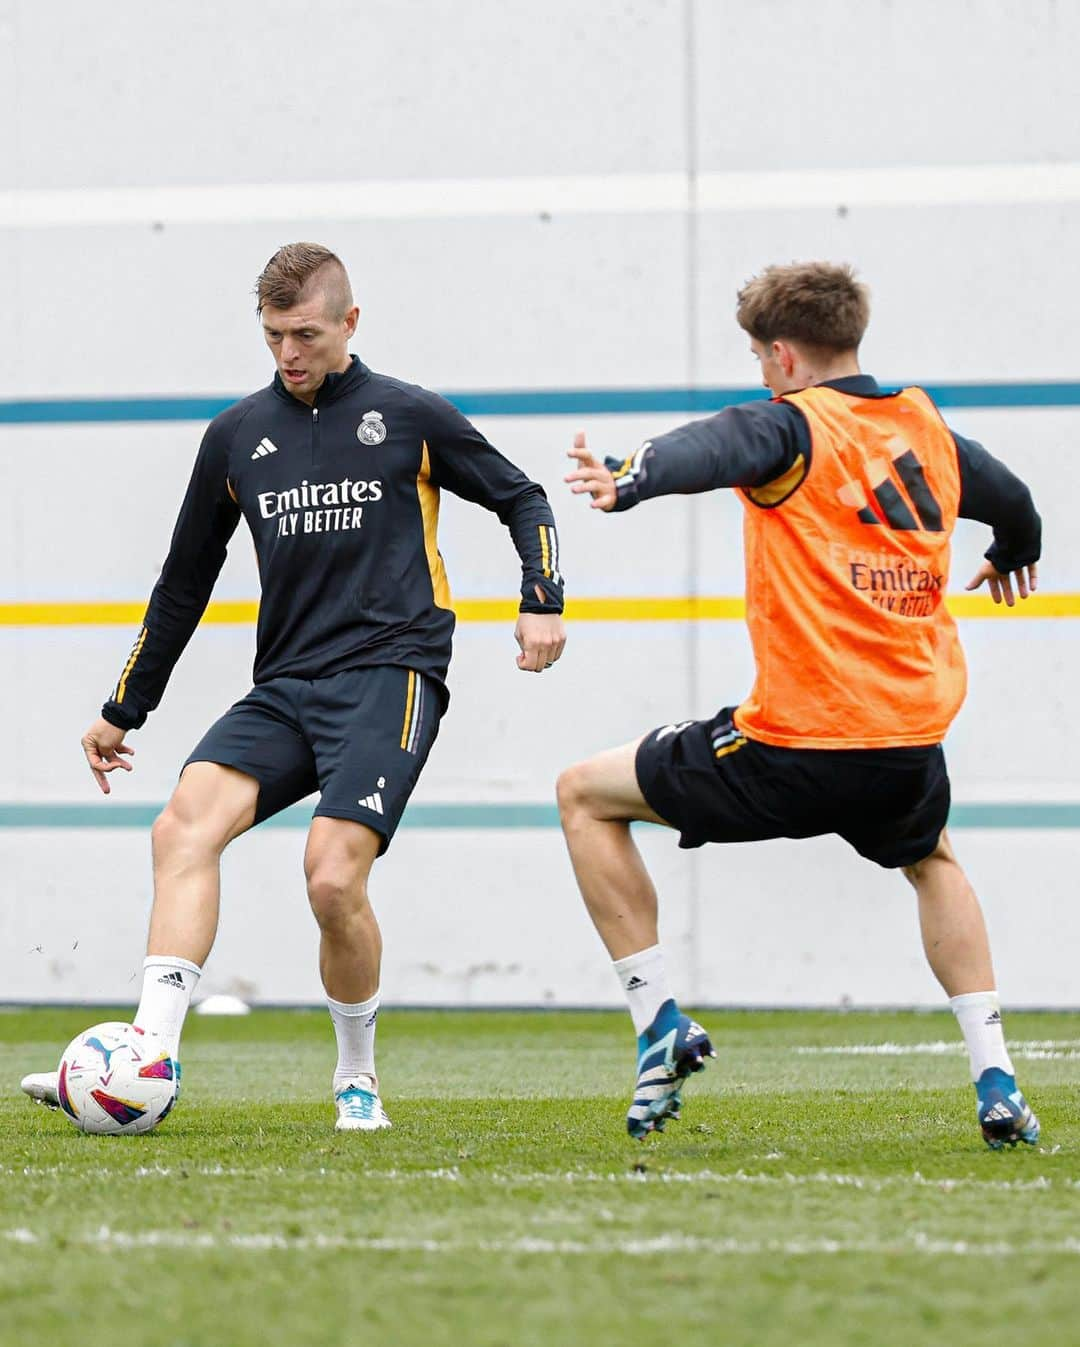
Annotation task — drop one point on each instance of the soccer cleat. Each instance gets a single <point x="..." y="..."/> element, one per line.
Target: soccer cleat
<point x="669" y="1050"/>
<point x="359" y="1109"/>
<point x="43" y="1088"/>
<point x="1004" y="1114"/>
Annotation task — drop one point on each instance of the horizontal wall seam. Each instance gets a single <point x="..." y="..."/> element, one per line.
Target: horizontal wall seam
<point x="536" y="196"/>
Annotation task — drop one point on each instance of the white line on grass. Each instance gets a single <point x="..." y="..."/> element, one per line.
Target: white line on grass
<point x="572" y="1177"/>
<point x="917" y="1243"/>
<point x="1053" y="1049"/>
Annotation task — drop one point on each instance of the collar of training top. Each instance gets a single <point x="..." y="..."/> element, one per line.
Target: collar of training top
<point x="856" y="385"/>
<point x="334" y="386"/>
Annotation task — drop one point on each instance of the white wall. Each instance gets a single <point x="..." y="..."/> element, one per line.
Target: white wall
<point x="528" y="196"/>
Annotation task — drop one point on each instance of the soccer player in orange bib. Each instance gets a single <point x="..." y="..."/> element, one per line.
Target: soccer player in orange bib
<point x="851" y="495"/>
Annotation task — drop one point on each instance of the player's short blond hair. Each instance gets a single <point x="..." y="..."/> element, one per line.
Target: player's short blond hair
<point x="299" y="268"/>
<point x="816" y="304"/>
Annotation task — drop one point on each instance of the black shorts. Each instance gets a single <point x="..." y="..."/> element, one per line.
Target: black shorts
<point x="360" y="738"/>
<point x="714" y="785"/>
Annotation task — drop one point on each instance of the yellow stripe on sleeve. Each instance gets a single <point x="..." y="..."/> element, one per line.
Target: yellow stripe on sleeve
<point x="136" y="651"/>
<point x="545" y="553"/>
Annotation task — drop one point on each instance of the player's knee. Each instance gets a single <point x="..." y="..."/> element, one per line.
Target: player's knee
<point x="572" y="790"/>
<point x="162" y="834"/>
<point x="942" y="855"/>
<point x="336" y="893"/>
<point x="180" y="832"/>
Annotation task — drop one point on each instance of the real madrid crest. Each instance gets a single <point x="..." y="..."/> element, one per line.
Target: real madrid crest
<point x="372" y="428"/>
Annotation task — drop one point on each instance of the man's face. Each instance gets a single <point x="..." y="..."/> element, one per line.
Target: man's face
<point x="776" y="374"/>
<point x="308" y="343"/>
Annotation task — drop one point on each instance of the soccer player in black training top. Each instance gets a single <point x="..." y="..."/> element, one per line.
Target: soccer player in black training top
<point x="337" y="471"/>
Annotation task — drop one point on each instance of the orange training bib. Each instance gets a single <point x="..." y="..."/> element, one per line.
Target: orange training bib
<point x="847" y="560"/>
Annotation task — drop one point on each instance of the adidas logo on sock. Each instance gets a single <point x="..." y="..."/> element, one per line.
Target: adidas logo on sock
<point x="635" y="983"/>
<point x="993" y="1018"/>
<point x="173" y="980"/>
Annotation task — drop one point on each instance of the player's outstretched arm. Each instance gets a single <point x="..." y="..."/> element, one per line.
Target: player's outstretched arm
<point x="104" y="746"/>
<point x="1001" y="582"/>
<point x="992" y="494"/>
<point x="591" y="476"/>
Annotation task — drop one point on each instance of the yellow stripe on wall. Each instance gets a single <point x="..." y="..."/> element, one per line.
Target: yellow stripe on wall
<point x="675" y="608"/>
<point x="112" y="614"/>
<point x="1039" y="605"/>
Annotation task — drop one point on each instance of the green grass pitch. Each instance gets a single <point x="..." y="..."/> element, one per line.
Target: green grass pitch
<point x="826" y="1186"/>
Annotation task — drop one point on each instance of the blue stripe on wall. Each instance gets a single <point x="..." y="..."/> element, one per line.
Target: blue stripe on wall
<point x="483" y="816"/>
<point x="528" y="402"/>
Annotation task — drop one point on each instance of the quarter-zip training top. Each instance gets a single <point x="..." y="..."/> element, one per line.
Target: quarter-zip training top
<point x="342" y="500"/>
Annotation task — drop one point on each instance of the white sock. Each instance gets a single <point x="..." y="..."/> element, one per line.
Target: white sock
<point x="979" y="1017"/>
<point x="166" y="994"/>
<point x="644" y="981"/>
<point x="354" y="1027"/>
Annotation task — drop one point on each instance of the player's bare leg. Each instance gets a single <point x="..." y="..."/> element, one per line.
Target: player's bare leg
<point x="951" y="920"/>
<point x="337" y="863"/>
<point x="958" y="950"/>
<point x="598" y="800"/>
<point x="209" y="807"/>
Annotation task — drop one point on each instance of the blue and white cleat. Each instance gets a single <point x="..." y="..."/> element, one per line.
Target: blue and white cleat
<point x="1005" y="1116"/>
<point x="359" y="1108"/>
<point x="670" y="1049"/>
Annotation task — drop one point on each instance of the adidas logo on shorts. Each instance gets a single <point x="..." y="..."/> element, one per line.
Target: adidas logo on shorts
<point x="373" y="801"/>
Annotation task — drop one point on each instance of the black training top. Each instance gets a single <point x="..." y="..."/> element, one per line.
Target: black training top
<point x="342" y="501"/>
<point x="756" y="442"/>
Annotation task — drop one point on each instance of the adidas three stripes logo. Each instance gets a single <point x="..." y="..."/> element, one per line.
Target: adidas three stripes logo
<point x="264" y="447"/>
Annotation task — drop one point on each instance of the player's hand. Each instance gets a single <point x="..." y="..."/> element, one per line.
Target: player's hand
<point x="591" y="476"/>
<point x="1001" y="583"/>
<point x="541" y="637"/>
<point x="103" y="745"/>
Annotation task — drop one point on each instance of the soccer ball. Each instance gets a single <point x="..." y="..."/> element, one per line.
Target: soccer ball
<point x="115" y="1079"/>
